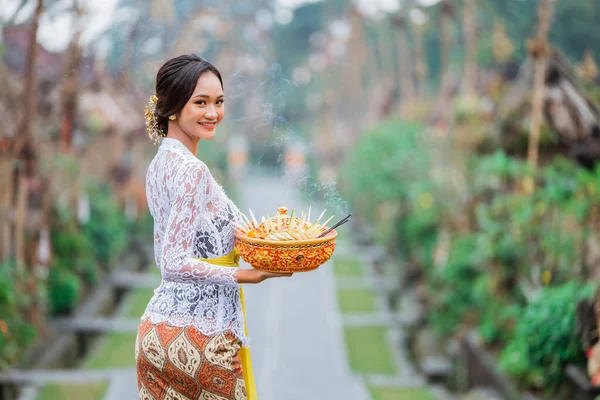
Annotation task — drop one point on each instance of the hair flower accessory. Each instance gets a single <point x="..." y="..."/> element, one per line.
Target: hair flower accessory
<point x="152" y="127"/>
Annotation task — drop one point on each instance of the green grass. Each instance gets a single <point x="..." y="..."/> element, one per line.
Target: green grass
<point x="356" y="300"/>
<point x="369" y="350"/>
<point x="138" y="300"/>
<point x="400" y="394"/>
<point x="153" y="270"/>
<point x="88" y="391"/>
<point x="116" y="350"/>
<point x="347" y="267"/>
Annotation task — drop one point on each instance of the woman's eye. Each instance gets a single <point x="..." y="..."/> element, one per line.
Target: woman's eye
<point x="201" y="102"/>
<point x="220" y="101"/>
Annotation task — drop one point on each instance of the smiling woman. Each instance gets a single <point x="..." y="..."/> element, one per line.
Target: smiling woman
<point x="192" y="342"/>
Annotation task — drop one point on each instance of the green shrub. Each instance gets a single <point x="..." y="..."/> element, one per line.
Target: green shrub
<point x="16" y="334"/>
<point x="544" y="339"/>
<point x="64" y="289"/>
<point x="386" y="181"/>
<point x="451" y="286"/>
<point x="74" y="251"/>
<point x="107" y="227"/>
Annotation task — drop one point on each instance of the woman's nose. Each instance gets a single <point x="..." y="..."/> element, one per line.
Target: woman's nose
<point x="211" y="112"/>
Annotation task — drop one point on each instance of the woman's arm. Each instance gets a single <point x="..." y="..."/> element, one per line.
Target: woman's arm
<point x="177" y="258"/>
<point x="189" y="204"/>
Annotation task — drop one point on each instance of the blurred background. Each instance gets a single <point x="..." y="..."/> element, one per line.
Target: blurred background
<point x="463" y="136"/>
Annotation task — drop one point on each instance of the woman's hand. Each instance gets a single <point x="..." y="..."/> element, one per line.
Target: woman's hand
<point x="256" y="276"/>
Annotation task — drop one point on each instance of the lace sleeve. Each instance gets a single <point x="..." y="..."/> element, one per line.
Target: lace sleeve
<point x="177" y="258"/>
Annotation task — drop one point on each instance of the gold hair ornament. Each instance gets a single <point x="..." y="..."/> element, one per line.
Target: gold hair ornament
<point x="152" y="127"/>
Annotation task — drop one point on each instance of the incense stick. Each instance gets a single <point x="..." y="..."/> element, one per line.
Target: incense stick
<point x="341" y="222"/>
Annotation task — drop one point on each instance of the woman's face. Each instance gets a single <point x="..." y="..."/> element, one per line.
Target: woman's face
<point x="204" y="110"/>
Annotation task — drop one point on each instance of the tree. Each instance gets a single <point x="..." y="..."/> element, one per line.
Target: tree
<point x="24" y="148"/>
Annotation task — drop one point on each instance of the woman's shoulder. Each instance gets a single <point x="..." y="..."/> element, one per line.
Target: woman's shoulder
<point x="196" y="165"/>
<point x="196" y="171"/>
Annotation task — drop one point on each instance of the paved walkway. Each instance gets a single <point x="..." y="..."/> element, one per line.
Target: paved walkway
<point x="407" y="377"/>
<point x="297" y="343"/>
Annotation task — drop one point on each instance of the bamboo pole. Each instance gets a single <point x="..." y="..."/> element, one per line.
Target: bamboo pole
<point x="22" y="201"/>
<point x="69" y="92"/>
<point x="6" y="206"/>
<point x="357" y="42"/>
<point x="420" y="65"/>
<point x="539" y="49"/>
<point x="405" y="62"/>
<point x="446" y="43"/>
<point x="470" y="37"/>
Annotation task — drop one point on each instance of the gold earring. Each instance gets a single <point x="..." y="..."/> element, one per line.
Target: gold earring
<point x="173" y="117"/>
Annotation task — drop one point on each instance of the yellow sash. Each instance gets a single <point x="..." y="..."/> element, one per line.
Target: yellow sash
<point x="233" y="260"/>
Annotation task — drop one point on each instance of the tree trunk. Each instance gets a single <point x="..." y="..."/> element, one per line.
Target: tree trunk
<point x="71" y="74"/>
<point x="405" y="62"/>
<point x="6" y="206"/>
<point x="20" y="208"/>
<point x="24" y="146"/>
<point x="420" y="65"/>
<point x="470" y="37"/>
<point x="127" y="65"/>
<point x="357" y="67"/>
<point x="539" y="49"/>
<point x="446" y="43"/>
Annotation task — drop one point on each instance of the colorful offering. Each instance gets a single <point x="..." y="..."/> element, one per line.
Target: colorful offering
<point x="284" y="227"/>
<point x="285" y="243"/>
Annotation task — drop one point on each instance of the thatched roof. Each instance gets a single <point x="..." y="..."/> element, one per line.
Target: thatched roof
<point x="566" y="108"/>
<point x="111" y="110"/>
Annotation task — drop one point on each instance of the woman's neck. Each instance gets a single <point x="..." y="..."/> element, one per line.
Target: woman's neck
<point x="175" y="132"/>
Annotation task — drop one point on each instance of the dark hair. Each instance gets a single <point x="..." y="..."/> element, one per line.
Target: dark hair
<point x="175" y="84"/>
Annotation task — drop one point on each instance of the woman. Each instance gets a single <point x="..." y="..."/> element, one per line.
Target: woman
<point x="191" y="342"/>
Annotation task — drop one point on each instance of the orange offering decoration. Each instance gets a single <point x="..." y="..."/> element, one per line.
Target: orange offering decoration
<point x="285" y="243"/>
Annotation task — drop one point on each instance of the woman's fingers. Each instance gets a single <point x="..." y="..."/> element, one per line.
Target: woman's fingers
<point x="277" y="274"/>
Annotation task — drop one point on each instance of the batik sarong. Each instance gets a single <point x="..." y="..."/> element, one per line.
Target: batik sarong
<point x="181" y="363"/>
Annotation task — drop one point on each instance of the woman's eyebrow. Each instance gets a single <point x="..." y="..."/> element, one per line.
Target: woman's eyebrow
<point x="206" y="96"/>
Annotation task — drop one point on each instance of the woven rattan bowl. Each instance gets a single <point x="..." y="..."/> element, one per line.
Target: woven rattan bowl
<point x="286" y="255"/>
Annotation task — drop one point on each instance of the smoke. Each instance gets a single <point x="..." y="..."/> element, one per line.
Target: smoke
<point x="277" y="134"/>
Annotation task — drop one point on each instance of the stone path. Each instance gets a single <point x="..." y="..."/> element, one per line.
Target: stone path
<point x="396" y="322"/>
<point x="297" y="343"/>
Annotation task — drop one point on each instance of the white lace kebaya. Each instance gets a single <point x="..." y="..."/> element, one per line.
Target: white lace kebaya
<point x="193" y="218"/>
